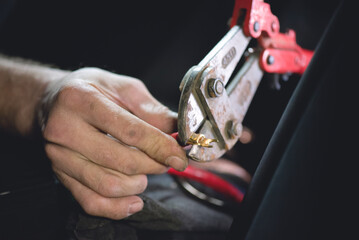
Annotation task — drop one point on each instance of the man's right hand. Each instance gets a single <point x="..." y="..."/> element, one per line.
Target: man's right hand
<point x="104" y="132"/>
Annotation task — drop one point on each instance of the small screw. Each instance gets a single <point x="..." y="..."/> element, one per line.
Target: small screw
<point x="215" y="87"/>
<point x="256" y="26"/>
<point x="270" y="59"/>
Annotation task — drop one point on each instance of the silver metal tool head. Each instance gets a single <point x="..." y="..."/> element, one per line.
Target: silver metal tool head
<point x="206" y="105"/>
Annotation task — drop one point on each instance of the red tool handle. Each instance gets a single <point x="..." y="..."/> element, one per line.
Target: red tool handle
<point x="258" y="18"/>
<point x="281" y="53"/>
<point x="283" y="61"/>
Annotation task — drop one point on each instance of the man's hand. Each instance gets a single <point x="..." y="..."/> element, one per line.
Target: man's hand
<point x="104" y="132"/>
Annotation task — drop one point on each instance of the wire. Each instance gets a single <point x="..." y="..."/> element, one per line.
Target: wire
<point x="210" y="180"/>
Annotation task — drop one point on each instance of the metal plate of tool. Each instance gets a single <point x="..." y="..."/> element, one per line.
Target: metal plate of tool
<point x="211" y="111"/>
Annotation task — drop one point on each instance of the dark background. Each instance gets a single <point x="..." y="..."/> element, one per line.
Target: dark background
<point x="155" y="41"/>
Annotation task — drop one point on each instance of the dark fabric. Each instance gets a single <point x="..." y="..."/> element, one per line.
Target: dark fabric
<point x="48" y="211"/>
<point x="168" y="213"/>
<point x="23" y="163"/>
<point x="296" y="190"/>
<point x="39" y="211"/>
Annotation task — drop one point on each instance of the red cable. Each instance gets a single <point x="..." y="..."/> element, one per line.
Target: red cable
<point x="208" y="179"/>
<point x="211" y="180"/>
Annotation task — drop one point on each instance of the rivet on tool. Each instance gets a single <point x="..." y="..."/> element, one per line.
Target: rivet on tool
<point x="234" y="129"/>
<point x="256" y="26"/>
<point x="215" y="87"/>
<point x="270" y="59"/>
<point x="200" y="140"/>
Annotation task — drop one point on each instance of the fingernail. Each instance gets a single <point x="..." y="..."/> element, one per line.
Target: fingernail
<point x="177" y="163"/>
<point x="135" y="207"/>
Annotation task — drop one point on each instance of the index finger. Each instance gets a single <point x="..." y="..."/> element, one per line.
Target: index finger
<point x="107" y="116"/>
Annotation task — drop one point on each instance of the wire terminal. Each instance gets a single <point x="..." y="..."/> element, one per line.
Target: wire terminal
<point x="201" y="140"/>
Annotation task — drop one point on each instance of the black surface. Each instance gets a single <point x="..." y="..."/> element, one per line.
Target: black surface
<point x="297" y="191"/>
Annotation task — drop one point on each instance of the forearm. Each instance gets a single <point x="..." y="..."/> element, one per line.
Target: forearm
<point x="21" y="87"/>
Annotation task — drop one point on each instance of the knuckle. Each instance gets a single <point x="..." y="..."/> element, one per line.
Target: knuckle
<point x="90" y="205"/>
<point x="155" y="108"/>
<point x="50" y="150"/>
<point x="90" y="70"/>
<point x="67" y="94"/>
<point x="118" y="162"/>
<point x="129" y="168"/>
<point x="142" y="184"/>
<point x="136" y="85"/>
<point x="74" y="96"/>
<point x="109" y="186"/>
<point x="163" y="110"/>
<point x="106" y="156"/>
<point x="155" y="148"/>
<point x="53" y="130"/>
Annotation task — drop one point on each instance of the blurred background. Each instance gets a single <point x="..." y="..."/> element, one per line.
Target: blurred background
<point x="155" y="41"/>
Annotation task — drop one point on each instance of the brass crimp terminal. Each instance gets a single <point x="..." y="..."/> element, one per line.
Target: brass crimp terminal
<point x="201" y="140"/>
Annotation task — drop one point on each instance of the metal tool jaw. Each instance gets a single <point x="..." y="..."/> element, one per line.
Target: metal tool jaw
<point x="212" y="103"/>
<point x="212" y="107"/>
